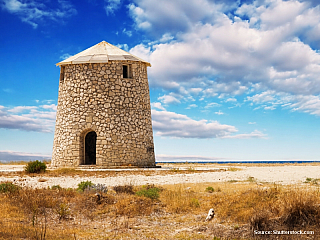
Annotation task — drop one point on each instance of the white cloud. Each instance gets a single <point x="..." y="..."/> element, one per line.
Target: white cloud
<point x="157" y="105"/>
<point x="219" y="113"/>
<point x="254" y="134"/>
<point x="231" y="100"/>
<point x="127" y="32"/>
<point x="184" y="158"/>
<point x="139" y="16"/>
<point x="308" y="104"/>
<point x="123" y="46"/>
<point x="173" y="16"/>
<point x="21" y="156"/>
<point x="166" y="37"/>
<point x="21" y="109"/>
<point x="33" y="12"/>
<point x="210" y="105"/>
<point x="192" y="106"/>
<point x="168" y="99"/>
<point x="220" y="54"/>
<point x="65" y="56"/>
<point x="141" y="51"/>
<point x="269" y="108"/>
<point x="111" y="6"/>
<point x="28" y="118"/>
<point x="51" y="106"/>
<point x="270" y="100"/>
<point x="267" y="96"/>
<point x="171" y="124"/>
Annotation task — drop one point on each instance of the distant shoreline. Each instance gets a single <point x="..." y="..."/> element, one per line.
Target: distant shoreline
<point x="245" y="161"/>
<point x="19" y="162"/>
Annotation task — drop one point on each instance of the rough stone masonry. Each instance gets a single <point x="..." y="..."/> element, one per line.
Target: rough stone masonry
<point x="103" y="117"/>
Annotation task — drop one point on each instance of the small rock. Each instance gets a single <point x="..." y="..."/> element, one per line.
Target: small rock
<point x="210" y="215"/>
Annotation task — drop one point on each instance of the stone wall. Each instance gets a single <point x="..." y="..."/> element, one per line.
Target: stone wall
<point x="96" y="97"/>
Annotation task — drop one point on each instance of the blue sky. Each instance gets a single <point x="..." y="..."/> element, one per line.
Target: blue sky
<point x="229" y="79"/>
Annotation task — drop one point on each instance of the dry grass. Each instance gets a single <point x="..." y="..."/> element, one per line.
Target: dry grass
<point x="178" y="213"/>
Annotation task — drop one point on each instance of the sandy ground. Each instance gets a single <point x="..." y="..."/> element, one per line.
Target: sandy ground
<point x="286" y="174"/>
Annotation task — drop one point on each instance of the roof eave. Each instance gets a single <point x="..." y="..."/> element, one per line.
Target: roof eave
<point x="69" y="63"/>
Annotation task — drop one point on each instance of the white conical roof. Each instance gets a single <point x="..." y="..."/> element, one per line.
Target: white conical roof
<point x="101" y="53"/>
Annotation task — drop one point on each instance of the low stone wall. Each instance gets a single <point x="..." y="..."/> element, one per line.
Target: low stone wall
<point x="96" y="97"/>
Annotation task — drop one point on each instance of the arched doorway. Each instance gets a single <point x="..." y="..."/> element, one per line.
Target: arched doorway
<point x="90" y="148"/>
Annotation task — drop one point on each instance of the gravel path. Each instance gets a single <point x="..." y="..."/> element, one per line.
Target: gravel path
<point x="274" y="174"/>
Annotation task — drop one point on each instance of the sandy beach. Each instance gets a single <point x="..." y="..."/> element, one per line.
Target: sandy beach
<point x="280" y="174"/>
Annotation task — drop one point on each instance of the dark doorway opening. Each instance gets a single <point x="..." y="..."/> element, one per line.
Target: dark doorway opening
<point x="90" y="148"/>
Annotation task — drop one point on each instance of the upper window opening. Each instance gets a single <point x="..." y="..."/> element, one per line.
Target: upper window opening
<point x="62" y="74"/>
<point x="126" y="71"/>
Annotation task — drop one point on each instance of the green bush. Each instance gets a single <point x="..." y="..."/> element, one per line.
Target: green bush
<point x="312" y="180"/>
<point x="83" y="185"/>
<point x="210" y="189"/>
<point x="63" y="211"/>
<point x="152" y="193"/>
<point x="194" y="203"/>
<point x="56" y="187"/>
<point x="35" y="167"/>
<point x="8" y="187"/>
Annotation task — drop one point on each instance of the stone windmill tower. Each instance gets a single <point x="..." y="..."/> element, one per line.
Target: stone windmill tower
<point x="103" y="115"/>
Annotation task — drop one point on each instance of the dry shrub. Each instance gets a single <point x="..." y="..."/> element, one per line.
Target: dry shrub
<point x="180" y="200"/>
<point x="105" y="199"/>
<point x="260" y="220"/>
<point x="29" y="214"/>
<point x="85" y="204"/>
<point x="33" y="199"/>
<point x="293" y="209"/>
<point x="239" y="206"/>
<point x="131" y="205"/>
<point x="300" y="209"/>
<point x="128" y="189"/>
<point x="37" y="205"/>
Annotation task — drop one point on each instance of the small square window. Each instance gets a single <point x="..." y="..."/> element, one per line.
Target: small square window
<point x="126" y="71"/>
<point x="62" y="74"/>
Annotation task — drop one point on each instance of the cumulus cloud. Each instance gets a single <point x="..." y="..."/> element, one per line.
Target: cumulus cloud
<point x="21" y="156"/>
<point x="28" y="118"/>
<point x="167" y="99"/>
<point x="227" y="49"/>
<point x="33" y="12"/>
<point x="172" y="124"/>
<point x="270" y="100"/>
<point x="157" y="105"/>
<point x="174" y="16"/>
